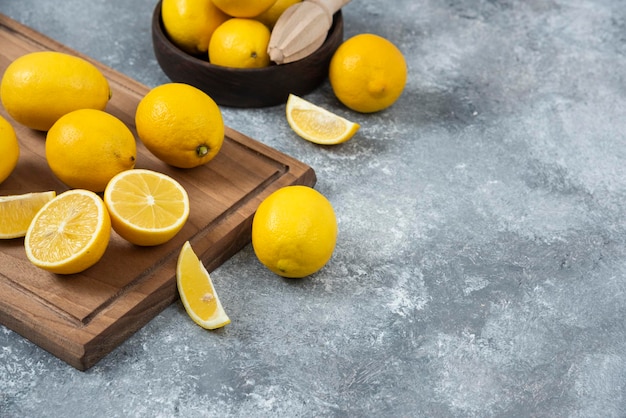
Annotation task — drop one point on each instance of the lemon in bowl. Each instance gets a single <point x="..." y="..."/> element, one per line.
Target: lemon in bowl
<point x="244" y="87"/>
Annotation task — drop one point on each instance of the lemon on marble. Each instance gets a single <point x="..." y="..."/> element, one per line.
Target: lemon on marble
<point x="367" y="73"/>
<point x="294" y="231"/>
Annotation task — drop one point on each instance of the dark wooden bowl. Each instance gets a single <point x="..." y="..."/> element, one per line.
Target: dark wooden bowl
<point x="255" y="87"/>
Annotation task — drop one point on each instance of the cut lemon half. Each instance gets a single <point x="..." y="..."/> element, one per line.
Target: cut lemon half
<point x="316" y="124"/>
<point x="147" y="207"/>
<point x="197" y="292"/>
<point x="70" y="233"/>
<point x="17" y="212"/>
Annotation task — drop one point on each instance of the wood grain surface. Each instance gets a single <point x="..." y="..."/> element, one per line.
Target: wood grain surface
<point x="81" y="318"/>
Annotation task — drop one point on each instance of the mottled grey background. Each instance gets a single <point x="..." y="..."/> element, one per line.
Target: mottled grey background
<point x="481" y="263"/>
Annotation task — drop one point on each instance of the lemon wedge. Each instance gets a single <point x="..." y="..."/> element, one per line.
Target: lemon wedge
<point x="316" y="124"/>
<point x="17" y="211"/>
<point x="197" y="292"/>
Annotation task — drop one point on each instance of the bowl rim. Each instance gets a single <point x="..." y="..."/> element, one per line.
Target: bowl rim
<point x="158" y="29"/>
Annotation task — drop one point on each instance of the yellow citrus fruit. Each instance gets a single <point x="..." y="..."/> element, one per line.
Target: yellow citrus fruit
<point x="70" y="233"/>
<point x="190" y="23"/>
<point x="146" y="207"/>
<point x="197" y="292"/>
<point x="17" y="212"/>
<point x="294" y="231"/>
<point x="244" y="8"/>
<point x="240" y="43"/>
<point x="9" y="149"/>
<point x="40" y="87"/>
<point x="316" y="124"/>
<point x="87" y="147"/>
<point x="180" y="124"/>
<point x="367" y="73"/>
<point x="271" y="15"/>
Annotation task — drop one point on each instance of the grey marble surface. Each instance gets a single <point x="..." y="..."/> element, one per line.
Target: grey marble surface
<point x="480" y="269"/>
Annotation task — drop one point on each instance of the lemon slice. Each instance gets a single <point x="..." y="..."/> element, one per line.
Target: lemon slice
<point x="316" y="124"/>
<point x="17" y="211"/>
<point x="147" y="207"/>
<point x="70" y="233"/>
<point x="197" y="292"/>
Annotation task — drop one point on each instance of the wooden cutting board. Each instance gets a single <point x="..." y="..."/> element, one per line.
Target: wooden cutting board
<point x="81" y="318"/>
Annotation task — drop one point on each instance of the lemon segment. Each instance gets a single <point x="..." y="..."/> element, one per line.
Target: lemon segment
<point x="316" y="124"/>
<point x="17" y="212"/>
<point x="147" y="207"/>
<point x="197" y="292"/>
<point x="70" y="233"/>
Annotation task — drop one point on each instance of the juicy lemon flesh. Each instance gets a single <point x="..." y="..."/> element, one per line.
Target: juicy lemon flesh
<point x="367" y="73"/>
<point x="17" y="212"/>
<point x="70" y="233"/>
<point x="197" y="292"/>
<point x="147" y="208"/>
<point x="316" y="124"/>
<point x="294" y="231"/>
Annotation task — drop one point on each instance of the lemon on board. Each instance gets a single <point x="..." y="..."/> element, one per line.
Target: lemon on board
<point x="197" y="292"/>
<point x="240" y="43"/>
<point x="367" y="73"/>
<point x="294" y="231"/>
<point x="180" y="124"/>
<point x="70" y="233"/>
<point x="40" y="87"/>
<point x="317" y="124"/>
<point x="17" y="212"/>
<point x="190" y="23"/>
<point x="9" y="149"/>
<point x="86" y="148"/>
<point x="271" y="15"/>
<point x="146" y="207"/>
<point x="244" y="8"/>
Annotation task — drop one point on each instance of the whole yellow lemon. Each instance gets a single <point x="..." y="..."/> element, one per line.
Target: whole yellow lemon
<point x="271" y="15"/>
<point x="190" y="23"/>
<point x="240" y="43"/>
<point x="87" y="147"/>
<point x="294" y="231"/>
<point x="244" y="8"/>
<point x="180" y="124"/>
<point x="367" y="73"/>
<point x="9" y="149"/>
<point x="40" y="87"/>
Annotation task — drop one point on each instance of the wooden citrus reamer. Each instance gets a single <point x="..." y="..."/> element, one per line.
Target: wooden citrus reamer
<point x="302" y="29"/>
